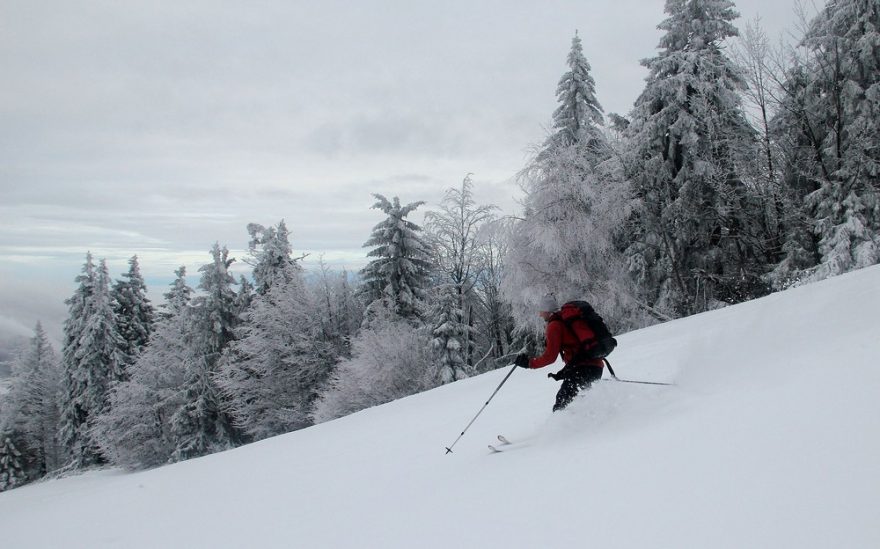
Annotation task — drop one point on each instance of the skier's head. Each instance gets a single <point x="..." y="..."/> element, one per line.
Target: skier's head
<point x="547" y="306"/>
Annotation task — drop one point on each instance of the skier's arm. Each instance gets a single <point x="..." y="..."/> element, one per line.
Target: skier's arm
<point x="552" y="348"/>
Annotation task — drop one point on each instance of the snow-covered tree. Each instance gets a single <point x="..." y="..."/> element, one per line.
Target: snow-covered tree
<point x="564" y="244"/>
<point x="450" y="336"/>
<point x="340" y="312"/>
<point x="695" y="242"/>
<point x="831" y="124"/>
<point x="272" y="372"/>
<point x="759" y="64"/>
<point x="178" y="296"/>
<point x="390" y="360"/>
<point x="136" y="431"/>
<point x="134" y="312"/>
<point x="92" y="359"/>
<point x="458" y="258"/>
<point x="397" y="278"/>
<point x="30" y="410"/>
<point x="573" y="204"/>
<point x="496" y="324"/>
<point x="245" y="295"/>
<point x="579" y="115"/>
<point x="202" y="425"/>
<point x="12" y="469"/>
<point x="271" y="256"/>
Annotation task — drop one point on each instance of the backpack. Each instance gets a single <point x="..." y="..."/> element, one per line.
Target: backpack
<point x="589" y="329"/>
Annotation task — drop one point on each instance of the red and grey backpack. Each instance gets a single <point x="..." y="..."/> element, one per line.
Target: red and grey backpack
<point x="589" y="329"/>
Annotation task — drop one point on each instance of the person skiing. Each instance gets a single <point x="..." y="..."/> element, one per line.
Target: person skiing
<point x="562" y="338"/>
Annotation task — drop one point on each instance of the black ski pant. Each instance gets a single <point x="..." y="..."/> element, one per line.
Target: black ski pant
<point x="577" y="379"/>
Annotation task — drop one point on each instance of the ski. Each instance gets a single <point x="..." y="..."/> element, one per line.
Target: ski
<point x="496" y="448"/>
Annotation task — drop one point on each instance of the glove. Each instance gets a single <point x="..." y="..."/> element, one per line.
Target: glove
<point x="558" y="376"/>
<point x="522" y="360"/>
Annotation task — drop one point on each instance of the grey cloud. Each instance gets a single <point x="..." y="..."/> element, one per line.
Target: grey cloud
<point x="158" y="128"/>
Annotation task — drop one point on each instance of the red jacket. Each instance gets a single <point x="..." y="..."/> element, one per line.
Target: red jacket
<point x="560" y="339"/>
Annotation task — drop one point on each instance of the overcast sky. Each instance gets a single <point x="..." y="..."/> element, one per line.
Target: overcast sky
<point x="157" y="128"/>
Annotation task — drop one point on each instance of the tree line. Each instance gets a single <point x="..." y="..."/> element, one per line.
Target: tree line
<point x="742" y="169"/>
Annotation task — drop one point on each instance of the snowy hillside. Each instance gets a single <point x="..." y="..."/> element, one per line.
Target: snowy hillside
<point x="769" y="439"/>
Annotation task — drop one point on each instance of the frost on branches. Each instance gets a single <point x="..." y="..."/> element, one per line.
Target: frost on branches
<point x="136" y="432"/>
<point x="396" y="278"/>
<point x="202" y="424"/>
<point x="134" y="312"/>
<point x="449" y="334"/>
<point x="693" y="241"/>
<point x="272" y="372"/>
<point x="459" y="255"/>
<point x="389" y="361"/>
<point x="29" y="416"/>
<point x="831" y="126"/>
<point x="92" y="360"/>
<point x="573" y="205"/>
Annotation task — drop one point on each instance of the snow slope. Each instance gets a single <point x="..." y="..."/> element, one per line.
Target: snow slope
<point x="769" y="439"/>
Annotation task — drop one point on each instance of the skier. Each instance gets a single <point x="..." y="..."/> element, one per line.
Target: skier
<point x="579" y="372"/>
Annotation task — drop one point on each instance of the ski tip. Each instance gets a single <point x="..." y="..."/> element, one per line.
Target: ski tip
<point x="494" y="449"/>
<point x="503" y="440"/>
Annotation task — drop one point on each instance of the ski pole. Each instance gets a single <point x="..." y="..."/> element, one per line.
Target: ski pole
<point x="634" y="381"/>
<point x="503" y="381"/>
<point x="613" y="375"/>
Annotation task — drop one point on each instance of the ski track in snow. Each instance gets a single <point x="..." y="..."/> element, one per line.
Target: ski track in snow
<point x="768" y="439"/>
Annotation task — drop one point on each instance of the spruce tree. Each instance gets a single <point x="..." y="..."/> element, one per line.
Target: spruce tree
<point x="178" y="296"/>
<point x="695" y="241"/>
<point x="31" y="408"/>
<point x="579" y="115"/>
<point x="831" y="128"/>
<point x="134" y="312"/>
<point x="563" y="244"/>
<point x="449" y="335"/>
<point x="202" y="424"/>
<point x="136" y="432"/>
<point x="92" y="359"/>
<point x="270" y="256"/>
<point x="397" y="278"/>
<point x="12" y="469"/>
<point x="272" y="372"/>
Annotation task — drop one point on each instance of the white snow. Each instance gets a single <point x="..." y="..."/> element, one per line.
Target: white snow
<point x="770" y="439"/>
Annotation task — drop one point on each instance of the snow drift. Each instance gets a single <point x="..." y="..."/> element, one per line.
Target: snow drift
<point x="769" y="439"/>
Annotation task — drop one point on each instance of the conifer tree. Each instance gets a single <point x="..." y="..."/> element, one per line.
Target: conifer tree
<point x="178" y="296"/>
<point x="202" y="424"/>
<point x="245" y="296"/>
<point x="30" y="409"/>
<point x="563" y="244"/>
<point x="272" y="372"/>
<point x="136" y="432"/>
<point x="134" y="312"/>
<point x="396" y="279"/>
<point x="92" y="359"/>
<point x="271" y="256"/>
<point x="831" y="130"/>
<point x="12" y="470"/>
<point x="579" y="115"/>
<point x="449" y="334"/>
<point x="695" y="242"/>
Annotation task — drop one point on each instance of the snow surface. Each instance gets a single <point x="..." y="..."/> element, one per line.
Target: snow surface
<point x="769" y="439"/>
